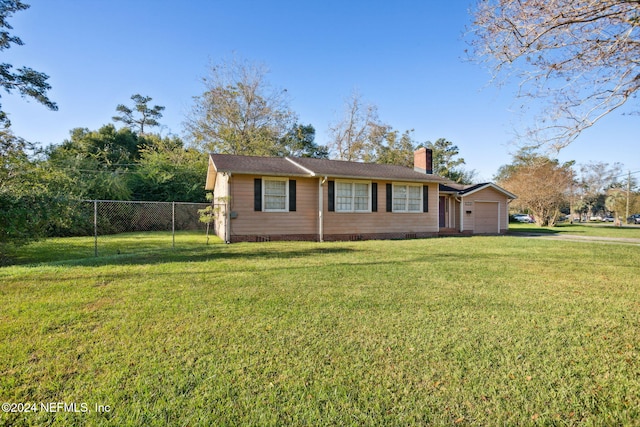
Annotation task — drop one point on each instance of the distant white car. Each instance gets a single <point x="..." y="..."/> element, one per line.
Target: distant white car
<point x="523" y="218"/>
<point x="608" y="218"/>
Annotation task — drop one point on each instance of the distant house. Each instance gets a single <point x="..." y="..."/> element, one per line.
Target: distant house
<point x="291" y="198"/>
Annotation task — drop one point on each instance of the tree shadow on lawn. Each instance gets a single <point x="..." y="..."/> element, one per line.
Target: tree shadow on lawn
<point x="211" y="253"/>
<point x="221" y="253"/>
<point x="534" y="230"/>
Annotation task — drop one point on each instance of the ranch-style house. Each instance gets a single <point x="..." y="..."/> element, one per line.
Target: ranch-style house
<point x="294" y="198"/>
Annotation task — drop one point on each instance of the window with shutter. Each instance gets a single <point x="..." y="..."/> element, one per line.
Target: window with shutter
<point x="273" y="194"/>
<point x="352" y="196"/>
<point x="407" y="198"/>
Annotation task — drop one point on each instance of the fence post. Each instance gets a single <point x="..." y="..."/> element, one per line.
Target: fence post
<point x="173" y="225"/>
<point x="95" y="227"/>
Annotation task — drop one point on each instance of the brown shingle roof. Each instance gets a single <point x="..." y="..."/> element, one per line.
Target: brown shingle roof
<point x="303" y="166"/>
<point x="256" y="165"/>
<point x="344" y="169"/>
<point x="462" y="190"/>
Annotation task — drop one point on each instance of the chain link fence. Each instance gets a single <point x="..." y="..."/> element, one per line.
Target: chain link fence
<point x="118" y="227"/>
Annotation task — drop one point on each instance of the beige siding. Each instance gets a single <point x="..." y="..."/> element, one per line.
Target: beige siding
<point x="468" y="222"/>
<point x="382" y="221"/>
<point x="249" y="222"/>
<point x="485" y="195"/>
<point x="220" y="201"/>
<point x="305" y="220"/>
<point x="456" y="214"/>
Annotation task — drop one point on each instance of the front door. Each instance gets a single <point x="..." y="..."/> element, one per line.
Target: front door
<point x="443" y="211"/>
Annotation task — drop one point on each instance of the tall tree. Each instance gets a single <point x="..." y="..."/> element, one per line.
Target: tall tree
<point x="596" y="178"/>
<point x="523" y="157"/>
<point x="390" y="147"/>
<point x="239" y="112"/>
<point x="141" y="115"/>
<point x="580" y="56"/>
<point x="543" y="186"/>
<point x="299" y="141"/>
<point x="446" y="162"/>
<point x="100" y="162"/>
<point x="168" y="172"/>
<point x="616" y="202"/>
<point x="350" y="136"/>
<point x="28" y="82"/>
<point x="33" y="197"/>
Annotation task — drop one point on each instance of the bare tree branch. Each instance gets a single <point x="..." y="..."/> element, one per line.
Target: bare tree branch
<point x="581" y="56"/>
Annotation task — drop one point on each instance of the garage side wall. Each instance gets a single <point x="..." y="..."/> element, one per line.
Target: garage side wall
<point x="220" y="204"/>
<point x="479" y="204"/>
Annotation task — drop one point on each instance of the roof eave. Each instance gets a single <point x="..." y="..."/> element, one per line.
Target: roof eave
<point x="489" y="185"/>
<point x="381" y="178"/>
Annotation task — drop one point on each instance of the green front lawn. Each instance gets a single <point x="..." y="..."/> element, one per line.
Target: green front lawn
<point x="583" y="229"/>
<point x="75" y="248"/>
<point x="455" y="331"/>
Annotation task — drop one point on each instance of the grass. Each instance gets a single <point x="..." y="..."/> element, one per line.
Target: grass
<point x="582" y="229"/>
<point x="455" y="331"/>
<point x="73" y="248"/>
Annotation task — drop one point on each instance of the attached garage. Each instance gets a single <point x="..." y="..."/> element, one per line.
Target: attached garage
<point x="487" y="220"/>
<point x="484" y="209"/>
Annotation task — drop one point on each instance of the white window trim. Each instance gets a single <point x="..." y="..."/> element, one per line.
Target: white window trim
<point x="406" y="203"/>
<point x="264" y="193"/>
<point x="353" y="196"/>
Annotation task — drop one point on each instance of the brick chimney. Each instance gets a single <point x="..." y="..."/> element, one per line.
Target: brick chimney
<point x="423" y="160"/>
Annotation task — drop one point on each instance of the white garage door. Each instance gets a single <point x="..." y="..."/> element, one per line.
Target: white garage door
<point x="487" y="217"/>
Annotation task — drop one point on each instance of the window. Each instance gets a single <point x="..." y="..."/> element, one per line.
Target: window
<point x="353" y="196"/>
<point x="275" y="194"/>
<point x="407" y="198"/>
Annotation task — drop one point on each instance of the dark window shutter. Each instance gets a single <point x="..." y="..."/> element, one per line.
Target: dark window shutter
<point x="389" y="198"/>
<point x="332" y="196"/>
<point x="257" y="194"/>
<point x="374" y="197"/>
<point x="292" y="195"/>
<point x="425" y="198"/>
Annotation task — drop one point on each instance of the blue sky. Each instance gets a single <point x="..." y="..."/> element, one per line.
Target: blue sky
<point x="406" y="57"/>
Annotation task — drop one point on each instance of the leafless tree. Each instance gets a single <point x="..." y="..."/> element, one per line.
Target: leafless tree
<point x="582" y="56"/>
<point x="598" y="177"/>
<point x="239" y="112"/>
<point x="350" y="135"/>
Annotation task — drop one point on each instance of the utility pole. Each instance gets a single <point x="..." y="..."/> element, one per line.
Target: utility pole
<point x="628" y="194"/>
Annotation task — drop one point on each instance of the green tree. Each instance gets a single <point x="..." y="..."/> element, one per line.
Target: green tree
<point x="167" y="171"/>
<point x="523" y="157"/>
<point x="390" y="147"/>
<point x="28" y="82"/>
<point x="33" y="198"/>
<point x="99" y="162"/>
<point x="446" y="162"/>
<point x="299" y="141"/>
<point x="239" y="112"/>
<point x="141" y="115"/>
